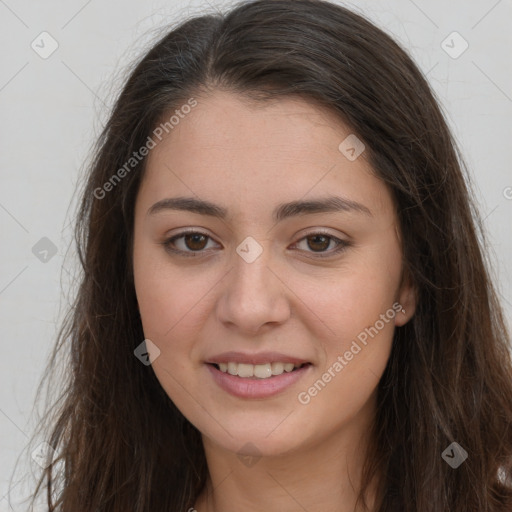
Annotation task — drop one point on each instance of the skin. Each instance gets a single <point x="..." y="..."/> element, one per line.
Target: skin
<point x="249" y="158"/>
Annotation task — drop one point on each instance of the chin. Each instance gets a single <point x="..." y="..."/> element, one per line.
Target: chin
<point x="264" y="441"/>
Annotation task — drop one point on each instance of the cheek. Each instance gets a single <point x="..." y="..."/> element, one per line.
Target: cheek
<point x="169" y="300"/>
<point x="356" y="299"/>
<point x="359" y="312"/>
<point x="170" y="311"/>
<point x="174" y="306"/>
<point x="357" y="309"/>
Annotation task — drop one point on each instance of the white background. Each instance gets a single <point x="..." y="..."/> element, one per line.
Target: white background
<point x="52" y="109"/>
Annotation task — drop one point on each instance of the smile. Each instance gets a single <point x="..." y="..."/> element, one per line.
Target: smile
<point x="257" y="381"/>
<point x="260" y="371"/>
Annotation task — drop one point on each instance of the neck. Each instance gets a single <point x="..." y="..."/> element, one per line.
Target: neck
<point x="316" y="477"/>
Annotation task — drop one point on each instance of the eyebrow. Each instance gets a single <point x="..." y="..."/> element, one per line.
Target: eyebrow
<point x="283" y="211"/>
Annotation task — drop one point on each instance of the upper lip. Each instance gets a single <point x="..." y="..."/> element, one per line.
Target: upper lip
<point x="259" y="358"/>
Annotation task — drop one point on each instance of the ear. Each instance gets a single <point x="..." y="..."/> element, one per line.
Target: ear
<point x="407" y="298"/>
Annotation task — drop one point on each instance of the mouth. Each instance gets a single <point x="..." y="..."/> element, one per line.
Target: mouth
<point x="258" y="371"/>
<point x="257" y="381"/>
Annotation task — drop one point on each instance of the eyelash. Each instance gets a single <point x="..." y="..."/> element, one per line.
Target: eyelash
<point x="342" y="244"/>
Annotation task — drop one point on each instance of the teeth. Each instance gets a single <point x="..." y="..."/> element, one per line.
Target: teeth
<point x="260" y="371"/>
<point x="245" y="370"/>
<point x="277" y="368"/>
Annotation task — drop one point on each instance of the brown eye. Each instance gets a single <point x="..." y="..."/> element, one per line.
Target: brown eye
<point x="318" y="242"/>
<point x="191" y="243"/>
<point x="195" y="241"/>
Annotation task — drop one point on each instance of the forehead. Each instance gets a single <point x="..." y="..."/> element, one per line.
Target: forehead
<point x="252" y="155"/>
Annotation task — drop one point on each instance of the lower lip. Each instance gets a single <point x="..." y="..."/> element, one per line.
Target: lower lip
<point x="254" y="387"/>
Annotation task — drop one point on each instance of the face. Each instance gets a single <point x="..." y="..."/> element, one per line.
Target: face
<point x="271" y="325"/>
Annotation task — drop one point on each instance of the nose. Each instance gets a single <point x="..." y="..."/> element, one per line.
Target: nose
<point x="254" y="295"/>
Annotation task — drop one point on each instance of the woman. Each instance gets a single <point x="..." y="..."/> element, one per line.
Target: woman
<point x="285" y="304"/>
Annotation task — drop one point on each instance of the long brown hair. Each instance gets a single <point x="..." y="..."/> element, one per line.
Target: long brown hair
<point x="122" y="445"/>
